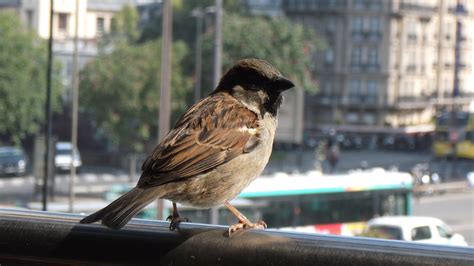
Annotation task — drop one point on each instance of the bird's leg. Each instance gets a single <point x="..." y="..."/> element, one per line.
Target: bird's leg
<point x="244" y="223"/>
<point x="174" y="219"/>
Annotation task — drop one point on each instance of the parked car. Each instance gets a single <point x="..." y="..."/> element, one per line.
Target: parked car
<point x="65" y="154"/>
<point x="12" y="161"/>
<point x="414" y="228"/>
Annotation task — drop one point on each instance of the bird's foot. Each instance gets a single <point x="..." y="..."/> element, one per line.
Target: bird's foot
<point x="243" y="226"/>
<point x="175" y="221"/>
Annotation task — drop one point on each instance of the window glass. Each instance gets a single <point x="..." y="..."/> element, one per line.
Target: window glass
<point x="386" y="232"/>
<point x="354" y="89"/>
<point x="100" y="26"/>
<point x="357" y="24"/>
<point x="373" y="56"/>
<point x="372" y="90"/>
<point x="442" y="232"/>
<point x="356" y="56"/>
<point x="328" y="56"/>
<point x="421" y="233"/>
<point x="375" y="25"/>
<point x="62" y="23"/>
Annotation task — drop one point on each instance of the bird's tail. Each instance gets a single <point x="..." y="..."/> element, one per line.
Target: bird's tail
<point x="120" y="211"/>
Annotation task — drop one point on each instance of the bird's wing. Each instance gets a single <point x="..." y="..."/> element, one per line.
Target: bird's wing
<point x="210" y="133"/>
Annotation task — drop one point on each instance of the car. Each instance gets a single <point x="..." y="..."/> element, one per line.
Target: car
<point x="12" y="161"/>
<point x="65" y="154"/>
<point x="415" y="228"/>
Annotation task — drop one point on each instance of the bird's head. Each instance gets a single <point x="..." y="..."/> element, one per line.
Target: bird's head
<point x="256" y="83"/>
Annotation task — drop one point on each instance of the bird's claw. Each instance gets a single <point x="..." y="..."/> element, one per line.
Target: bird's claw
<point x="175" y="221"/>
<point x="244" y="226"/>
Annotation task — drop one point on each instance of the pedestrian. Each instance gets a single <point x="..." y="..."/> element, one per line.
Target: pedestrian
<point x="332" y="154"/>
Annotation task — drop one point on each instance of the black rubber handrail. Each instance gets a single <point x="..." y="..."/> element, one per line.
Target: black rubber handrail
<point x="34" y="237"/>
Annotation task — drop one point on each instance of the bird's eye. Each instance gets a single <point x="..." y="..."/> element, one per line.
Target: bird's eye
<point x="253" y="87"/>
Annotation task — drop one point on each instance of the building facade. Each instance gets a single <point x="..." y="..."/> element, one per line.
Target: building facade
<point x="96" y="17"/>
<point x="387" y="63"/>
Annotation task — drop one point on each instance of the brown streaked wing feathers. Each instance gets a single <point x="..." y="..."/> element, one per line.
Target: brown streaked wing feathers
<point x="207" y="135"/>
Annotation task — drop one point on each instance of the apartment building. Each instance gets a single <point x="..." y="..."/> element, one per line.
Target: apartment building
<point x="96" y="17"/>
<point x="386" y="63"/>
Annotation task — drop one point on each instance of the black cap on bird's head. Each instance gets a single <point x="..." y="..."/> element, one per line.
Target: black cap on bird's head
<point x="256" y="83"/>
<point x="255" y="74"/>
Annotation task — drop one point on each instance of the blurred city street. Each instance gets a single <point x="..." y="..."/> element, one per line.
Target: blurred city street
<point x="368" y="105"/>
<point x="456" y="209"/>
<point x="454" y="206"/>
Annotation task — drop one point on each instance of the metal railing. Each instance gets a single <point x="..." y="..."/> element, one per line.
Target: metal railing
<point x="33" y="237"/>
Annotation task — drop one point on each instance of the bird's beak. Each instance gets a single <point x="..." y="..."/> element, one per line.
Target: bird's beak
<point x="283" y="84"/>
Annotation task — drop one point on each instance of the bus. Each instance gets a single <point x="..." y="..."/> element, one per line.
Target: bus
<point x="454" y="129"/>
<point x="336" y="204"/>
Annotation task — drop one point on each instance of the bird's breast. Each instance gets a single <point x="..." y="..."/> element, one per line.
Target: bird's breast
<point x="226" y="181"/>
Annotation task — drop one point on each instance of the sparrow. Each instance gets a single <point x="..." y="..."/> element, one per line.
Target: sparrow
<point x="215" y="150"/>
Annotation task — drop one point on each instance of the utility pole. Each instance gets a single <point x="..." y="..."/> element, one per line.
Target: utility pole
<point x="457" y="65"/>
<point x="48" y="125"/>
<point x="164" y="108"/>
<point x="441" y="10"/>
<point x="217" y="44"/>
<point x="75" y="104"/>
<point x="214" y="212"/>
<point x="198" y="13"/>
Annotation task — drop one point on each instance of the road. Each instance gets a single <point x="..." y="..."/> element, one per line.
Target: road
<point x="456" y="209"/>
<point x="19" y="191"/>
<point x="294" y="161"/>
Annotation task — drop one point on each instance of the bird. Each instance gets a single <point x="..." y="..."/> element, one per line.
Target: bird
<point x="215" y="150"/>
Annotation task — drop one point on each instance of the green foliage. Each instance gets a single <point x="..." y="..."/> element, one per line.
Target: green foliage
<point x="122" y="90"/>
<point x="183" y="21"/>
<point x="124" y="29"/>
<point x="22" y="80"/>
<point x="283" y="43"/>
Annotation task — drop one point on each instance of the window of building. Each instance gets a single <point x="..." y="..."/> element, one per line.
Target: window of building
<point x="447" y="84"/>
<point x="100" y="26"/>
<point x="359" y="4"/>
<point x="411" y="61"/>
<point x="352" y="117"/>
<point x="372" y="91"/>
<point x="327" y="89"/>
<point x="113" y="24"/>
<point x="375" y="4"/>
<point x="62" y="22"/>
<point x="448" y="60"/>
<point x="330" y="25"/>
<point x="448" y="29"/>
<point x="301" y="5"/>
<point x="357" y="24"/>
<point x="412" y="31"/>
<point x="329" y="56"/>
<point x="356" y="56"/>
<point x="373" y="57"/>
<point x="375" y="25"/>
<point x="354" y="90"/>
<point x="29" y="18"/>
<point x="68" y="68"/>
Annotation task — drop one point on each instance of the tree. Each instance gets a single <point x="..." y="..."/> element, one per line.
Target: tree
<point x="121" y="89"/>
<point x="287" y="45"/>
<point x="22" y="80"/>
<point x="124" y="28"/>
